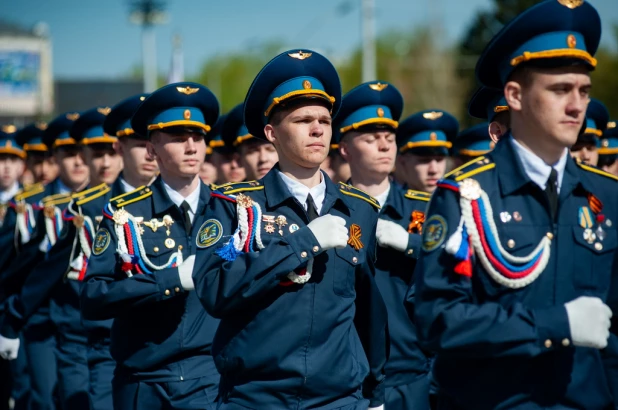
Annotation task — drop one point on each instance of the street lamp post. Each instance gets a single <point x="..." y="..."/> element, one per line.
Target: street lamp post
<point x="369" y="42"/>
<point x="147" y="14"/>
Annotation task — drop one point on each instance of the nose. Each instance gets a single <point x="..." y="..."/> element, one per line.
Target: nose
<point x="316" y="129"/>
<point x="191" y="145"/>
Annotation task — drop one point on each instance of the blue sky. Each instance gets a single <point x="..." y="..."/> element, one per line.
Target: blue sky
<point x="95" y="39"/>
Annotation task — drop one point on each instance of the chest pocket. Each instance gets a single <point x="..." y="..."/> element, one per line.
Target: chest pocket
<point x="346" y="262"/>
<point x="593" y="261"/>
<point x="160" y="249"/>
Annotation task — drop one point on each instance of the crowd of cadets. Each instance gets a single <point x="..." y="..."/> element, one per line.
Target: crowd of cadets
<point x="286" y="255"/>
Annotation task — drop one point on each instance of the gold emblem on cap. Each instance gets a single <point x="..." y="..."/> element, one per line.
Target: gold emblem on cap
<point x="611" y="124"/>
<point x="571" y="3"/>
<point x="571" y="41"/>
<point x="432" y="115"/>
<point x="433" y="136"/>
<point x="605" y="143"/>
<point x="142" y="98"/>
<point x="300" y="55"/>
<point x="307" y="85"/>
<point x="187" y="90"/>
<point x="380" y="112"/>
<point x="9" y="128"/>
<point x="41" y="125"/>
<point x="72" y="116"/>
<point x="104" y="110"/>
<point x="187" y="115"/>
<point x="378" y="86"/>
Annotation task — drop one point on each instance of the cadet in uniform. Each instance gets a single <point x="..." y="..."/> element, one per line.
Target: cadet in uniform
<point x="471" y="143"/>
<point x="40" y="161"/>
<point x="589" y="140"/>
<point x="489" y="104"/>
<point x="55" y="281"/>
<point x="279" y="266"/>
<point x="12" y="157"/>
<point x="224" y="157"/>
<point x="139" y="272"/>
<point x="518" y="270"/>
<point x="608" y="153"/>
<point x="365" y="130"/>
<point x="335" y="166"/>
<point x="423" y="140"/>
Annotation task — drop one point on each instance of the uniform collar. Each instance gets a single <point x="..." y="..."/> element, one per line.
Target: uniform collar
<point x="192" y="199"/>
<point x="536" y="169"/>
<point x="277" y="192"/>
<point x="162" y="201"/>
<point x="394" y="201"/>
<point x="126" y="187"/>
<point x="5" y="196"/>
<point x="118" y="188"/>
<point x="301" y="191"/>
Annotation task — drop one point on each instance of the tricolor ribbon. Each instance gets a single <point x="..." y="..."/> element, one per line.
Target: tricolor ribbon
<point x="83" y="238"/>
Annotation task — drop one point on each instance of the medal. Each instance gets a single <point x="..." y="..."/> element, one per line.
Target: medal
<point x="517" y="216"/>
<point x="270" y="220"/>
<point x="589" y="236"/>
<point x="294" y="228"/>
<point x="281" y="221"/>
<point x="505" y="217"/>
<point x="169" y="243"/>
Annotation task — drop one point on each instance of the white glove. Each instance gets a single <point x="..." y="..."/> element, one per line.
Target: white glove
<point x="377" y="408"/>
<point x="391" y="235"/>
<point x="8" y="348"/>
<point x="589" y="320"/>
<point x="185" y="271"/>
<point x="330" y="231"/>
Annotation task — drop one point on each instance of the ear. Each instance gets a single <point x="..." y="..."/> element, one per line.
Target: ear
<point x="495" y="131"/>
<point x="269" y="131"/>
<point x="513" y="95"/>
<point x="343" y="150"/>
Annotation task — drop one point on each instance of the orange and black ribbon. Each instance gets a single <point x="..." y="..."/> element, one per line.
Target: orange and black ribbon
<point x="596" y="206"/>
<point x="417" y="219"/>
<point x="355" y="237"/>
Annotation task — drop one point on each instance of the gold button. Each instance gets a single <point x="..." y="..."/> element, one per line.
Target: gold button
<point x="598" y="246"/>
<point x="179" y="247"/>
<point x="156" y="249"/>
<point x="410" y="251"/>
<point x="548" y="343"/>
<point x="510" y="243"/>
<point x="316" y="248"/>
<point x="176" y="289"/>
<point x="303" y="254"/>
<point x="566" y="342"/>
<point x="167" y="292"/>
<point x="355" y="259"/>
<point x="550" y="235"/>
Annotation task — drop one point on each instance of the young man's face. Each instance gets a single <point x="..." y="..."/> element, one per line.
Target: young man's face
<point x="371" y="154"/>
<point x="208" y="173"/>
<point x="228" y="167"/>
<point x="71" y="166"/>
<point x="103" y="162"/>
<point x="612" y="167"/>
<point x="257" y="157"/>
<point x="43" y="167"/>
<point x="553" y="103"/>
<point x="301" y="134"/>
<point x="178" y="155"/>
<point x="340" y="168"/>
<point x="421" y="173"/>
<point x="585" y="152"/>
<point x="136" y="158"/>
<point x="11" y="168"/>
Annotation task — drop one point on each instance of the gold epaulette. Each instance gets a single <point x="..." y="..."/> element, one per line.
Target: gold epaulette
<point x="128" y="198"/>
<point x="56" y="199"/>
<point x="88" y="195"/>
<point x="471" y="168"/>
<point x="234" y="187"/>
<point x="595" y="170"/>
<point x="349" y="190"/>
<point x="31" y="191"/>
<point x="419" y="195"/>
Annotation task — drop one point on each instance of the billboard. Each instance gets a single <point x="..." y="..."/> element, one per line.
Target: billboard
<point x="19" y="73"/>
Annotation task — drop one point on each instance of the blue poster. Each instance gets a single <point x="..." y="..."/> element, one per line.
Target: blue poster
<point x="19" y="73"/>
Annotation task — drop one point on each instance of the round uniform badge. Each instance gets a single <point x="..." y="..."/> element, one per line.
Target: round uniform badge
<point x="210" y="232"/>
<point x="434" y="233"/>
<point x="101" y="241"/>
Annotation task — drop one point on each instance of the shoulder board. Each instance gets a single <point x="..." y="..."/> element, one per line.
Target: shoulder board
<point x="234" y="187"/>
<point x="469" y="169"/>
<point x="595" y="170"/>
<point x="130" y="197"/>
<point x="56" y="199"/>
<point x="27" y="193"/>
<point x="88" y="195"/>
<point x="349" y="190"/>
<point x="419" y="195"/>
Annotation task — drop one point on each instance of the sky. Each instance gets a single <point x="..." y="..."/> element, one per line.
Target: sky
<point x="95" y="39"/>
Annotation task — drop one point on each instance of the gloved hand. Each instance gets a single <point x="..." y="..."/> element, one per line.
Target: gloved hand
<point x="377" y="408"/>
<point x="8" y="348"/>
<point x="589" y="320"/>
<point x="330" y="231"/>
<point x="185" y="271"/>
<point x="391" y="235"/>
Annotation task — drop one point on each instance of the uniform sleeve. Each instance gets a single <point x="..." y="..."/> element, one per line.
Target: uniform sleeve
<point x="39" y="284"/>
<point x="413" y="249"/>
<point x="610" y="353"/>
<point x="451" y="319"/>
<point x="7" y="238"/>
<point x="225" y="287"/>
<point x="108" y="292"/>
<point x="371" y="325"/>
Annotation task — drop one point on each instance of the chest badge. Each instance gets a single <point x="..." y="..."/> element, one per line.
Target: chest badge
<point x="269" y="220"/>
<point x="355" y="237"/>
<point x="209" y="234"/>
<point x="281" y="221"/>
